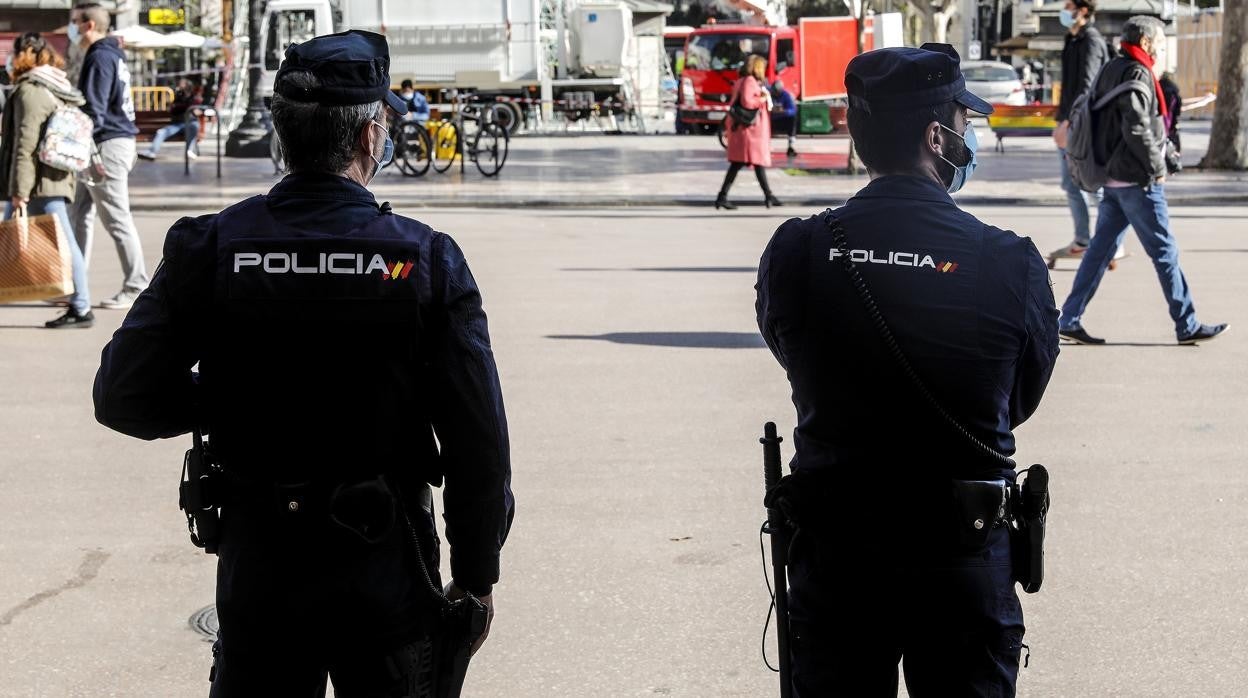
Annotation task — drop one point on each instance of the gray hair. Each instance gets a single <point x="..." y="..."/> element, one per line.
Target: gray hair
<point x="316" y="137"/>
<point x="1140" y="26"/>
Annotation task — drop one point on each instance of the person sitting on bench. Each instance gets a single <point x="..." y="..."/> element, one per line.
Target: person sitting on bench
<point x="186" y="95"/>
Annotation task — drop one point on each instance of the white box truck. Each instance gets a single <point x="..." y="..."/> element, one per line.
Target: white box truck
<point x="497" y="51"/>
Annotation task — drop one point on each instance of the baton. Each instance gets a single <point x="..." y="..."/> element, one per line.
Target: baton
<point x="779" y="532"/>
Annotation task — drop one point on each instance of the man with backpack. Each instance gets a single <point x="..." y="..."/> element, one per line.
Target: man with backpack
<point x="1083" y="55"/>
<point x="105" y="84"/>
<point x="1128" y="152"/>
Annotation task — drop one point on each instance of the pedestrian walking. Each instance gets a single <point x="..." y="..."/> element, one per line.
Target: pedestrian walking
<point x="1130" y="138"/>
<point x="749" y="131"/>
<point x="105" y="84"/>
<point x="345" y="366"/>
<point x="185" y="96"/>
<point x="1083" y="54"/>
<point x="1174" y="105"/>
<point x="31" y="186"/>
<point x="891" y="315"/>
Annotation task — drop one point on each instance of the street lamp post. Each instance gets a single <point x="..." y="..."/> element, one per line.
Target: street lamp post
<point x="251" y="138"/>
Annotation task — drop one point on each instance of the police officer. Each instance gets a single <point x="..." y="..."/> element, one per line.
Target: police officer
<point x="885" y="567"/>
<point x="333" y="340"/>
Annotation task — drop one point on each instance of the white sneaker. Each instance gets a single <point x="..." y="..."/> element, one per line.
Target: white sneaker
<point x="1122" y="252"/>
<point x="192" y="155"/>
<point x="122" y="301"/>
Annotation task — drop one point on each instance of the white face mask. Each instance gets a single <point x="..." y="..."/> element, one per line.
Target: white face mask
<point x="72" y="30"/>
<point x="1159" y="63"/>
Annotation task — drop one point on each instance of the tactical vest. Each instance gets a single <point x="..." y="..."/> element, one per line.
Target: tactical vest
<point x="314" y="370"/>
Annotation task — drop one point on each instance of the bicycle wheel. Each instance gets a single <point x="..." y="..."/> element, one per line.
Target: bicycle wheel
<point x="415" y="154"/>
<point x="445" y="146"/>
<point x="489" y="149"/>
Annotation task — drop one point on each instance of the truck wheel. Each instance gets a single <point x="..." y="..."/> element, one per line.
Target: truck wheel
<point x="506" y="115"/>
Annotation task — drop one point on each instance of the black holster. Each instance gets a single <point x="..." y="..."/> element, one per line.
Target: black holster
<point x="458" y="623"/>
<point x="1031" y="512"/>
<point x="200" y="495"/>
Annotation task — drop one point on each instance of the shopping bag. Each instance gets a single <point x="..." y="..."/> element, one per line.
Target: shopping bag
<point x="34" y="259"/>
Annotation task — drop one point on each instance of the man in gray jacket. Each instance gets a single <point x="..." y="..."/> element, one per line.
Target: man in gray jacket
<point x="1130" y="138"/>
<point x="105" y="84"/>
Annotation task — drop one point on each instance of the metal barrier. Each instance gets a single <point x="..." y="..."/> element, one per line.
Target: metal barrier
<point x="151" y="98"/>
<point x="195" y="113"/>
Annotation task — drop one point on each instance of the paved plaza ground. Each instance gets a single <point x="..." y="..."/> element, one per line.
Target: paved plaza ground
<point x="588" y="170"/>
<point x="636" y="387"/>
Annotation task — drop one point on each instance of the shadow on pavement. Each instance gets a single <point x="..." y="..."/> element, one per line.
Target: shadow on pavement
<point x="1066" y="344"/>
<point x="714" y="270"/>
<point x="683" y="340"/>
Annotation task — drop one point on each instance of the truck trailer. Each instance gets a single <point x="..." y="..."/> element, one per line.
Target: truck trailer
<point x="528" y="60"/>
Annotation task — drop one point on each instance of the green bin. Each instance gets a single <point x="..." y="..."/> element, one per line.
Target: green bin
<point x="813" y="117"/>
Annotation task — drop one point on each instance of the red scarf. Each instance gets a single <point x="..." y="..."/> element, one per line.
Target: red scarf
<point x="1134" y="51"/>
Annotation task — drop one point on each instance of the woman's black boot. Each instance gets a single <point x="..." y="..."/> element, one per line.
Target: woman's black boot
<point x="770" y="200"/>
<point x="722" y="202"/>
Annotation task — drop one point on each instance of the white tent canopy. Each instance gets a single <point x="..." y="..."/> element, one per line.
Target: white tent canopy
<point x="139" y="37"/>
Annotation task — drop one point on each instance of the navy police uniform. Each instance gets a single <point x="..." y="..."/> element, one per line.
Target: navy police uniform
<point x="333" y="340"/>
<point x="971" y="306"/>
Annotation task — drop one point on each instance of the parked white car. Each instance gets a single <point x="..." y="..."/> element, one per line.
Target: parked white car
<point x="995" y="82"/>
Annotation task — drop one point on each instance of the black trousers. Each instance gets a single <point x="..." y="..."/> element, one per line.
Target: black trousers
<point x="731" y="176"/>
<point x="952" y="620"/>
<point x="302" y="600"/>
<point x="279" y="674"/>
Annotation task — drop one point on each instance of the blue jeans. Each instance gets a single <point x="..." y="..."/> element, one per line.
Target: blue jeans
<point x="1145" y="209"/>
<point x="80" y="299"/>
<point x="1077" y="201"/>
<point x="192" y="132"/>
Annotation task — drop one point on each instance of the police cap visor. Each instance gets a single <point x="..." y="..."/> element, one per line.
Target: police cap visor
<point x="891" y="79"/>
<point x="353" y="67"/>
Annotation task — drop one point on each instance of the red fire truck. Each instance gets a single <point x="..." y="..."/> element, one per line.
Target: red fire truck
<point x="810" y="58"/>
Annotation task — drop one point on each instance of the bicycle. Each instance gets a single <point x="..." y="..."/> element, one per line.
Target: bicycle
<point x="413" y="147"/>
<point x="490" y="143"/>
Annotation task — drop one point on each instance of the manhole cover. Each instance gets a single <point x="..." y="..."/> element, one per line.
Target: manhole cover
<point x="204" y="622"/>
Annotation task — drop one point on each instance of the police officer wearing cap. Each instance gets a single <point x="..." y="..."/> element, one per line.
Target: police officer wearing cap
<point x="885" y="568"/>
<point x="334" y="339"/>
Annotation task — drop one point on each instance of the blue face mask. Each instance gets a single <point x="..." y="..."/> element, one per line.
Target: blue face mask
<point x="1066" y="17"/>
<point x="962" y="173"/>
<point x="72" y="31"/>
<point x="387" y="151"/>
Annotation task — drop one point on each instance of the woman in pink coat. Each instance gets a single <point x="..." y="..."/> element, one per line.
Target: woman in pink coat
<point x="750" y="145"/>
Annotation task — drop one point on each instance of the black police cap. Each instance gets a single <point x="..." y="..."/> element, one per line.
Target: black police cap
<point x="353" y="68"/>
<point x="891" y="79"/>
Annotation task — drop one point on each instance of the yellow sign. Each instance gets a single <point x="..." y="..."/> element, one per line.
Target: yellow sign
<point x="166" y="16"/>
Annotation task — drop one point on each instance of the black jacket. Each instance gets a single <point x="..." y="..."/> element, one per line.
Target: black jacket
<point x="105" y="83"/>
<point x="969" y="303"/>
<point x="318" y="387"/>
<point x="1130" y="133"/>
<point x="1082" y="56"/>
